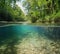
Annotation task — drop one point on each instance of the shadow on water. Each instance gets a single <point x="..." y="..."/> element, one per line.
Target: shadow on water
<point x="9" y="48"/>
<point x="53" y="33"/>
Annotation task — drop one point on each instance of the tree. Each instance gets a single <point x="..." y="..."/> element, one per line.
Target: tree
<point x="37" y="9"/>
<point x="9" y="12"/>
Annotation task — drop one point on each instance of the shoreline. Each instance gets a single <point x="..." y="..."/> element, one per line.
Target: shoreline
<point x="36" y="25"/>
<point x="4" y="23"/>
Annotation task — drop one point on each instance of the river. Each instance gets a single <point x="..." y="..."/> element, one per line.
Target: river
<point x="29" y="39"/>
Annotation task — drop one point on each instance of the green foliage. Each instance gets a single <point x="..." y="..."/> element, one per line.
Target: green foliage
<point x="9" y="12"/>
<point x="38" y="10"/>
<point x="45" y="10"/>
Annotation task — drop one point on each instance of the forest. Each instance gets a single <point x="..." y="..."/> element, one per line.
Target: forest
<point x="37" y="11"/>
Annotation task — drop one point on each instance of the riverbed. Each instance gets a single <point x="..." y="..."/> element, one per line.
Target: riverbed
<point x="29" y="39"/>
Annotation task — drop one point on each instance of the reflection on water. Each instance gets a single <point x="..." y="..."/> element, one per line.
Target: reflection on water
<point x="27" y="39"/>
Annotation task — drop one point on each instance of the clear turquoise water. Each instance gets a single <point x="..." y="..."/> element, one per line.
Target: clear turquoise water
<point x="16" y="32"/>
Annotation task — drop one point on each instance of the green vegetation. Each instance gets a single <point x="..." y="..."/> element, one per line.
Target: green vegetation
<point x="9" y="11"/>
<point x="40" y="11"/>
<point x="43" y="10"/>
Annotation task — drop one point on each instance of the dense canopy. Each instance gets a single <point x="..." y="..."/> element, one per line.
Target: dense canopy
<point x="37" y="10"/>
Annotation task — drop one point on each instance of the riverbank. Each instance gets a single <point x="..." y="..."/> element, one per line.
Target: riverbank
<point x="5" y="23"/>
